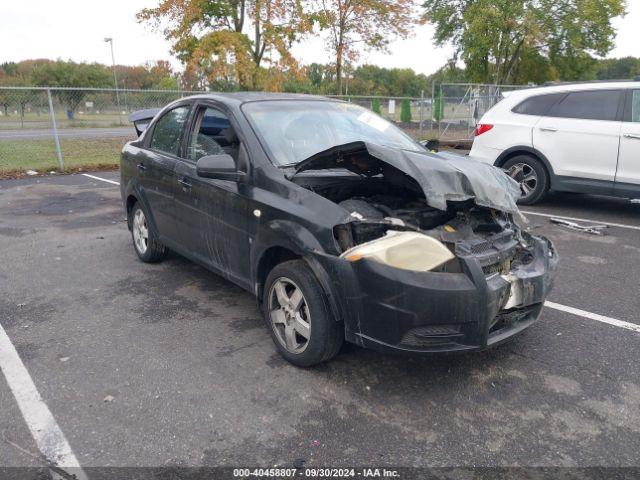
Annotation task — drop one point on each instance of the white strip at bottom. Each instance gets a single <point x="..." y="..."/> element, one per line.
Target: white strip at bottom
<point x="113" y="182"/>
<point x="43" y="427"/>
<point x="593" y="316"/>
<point x="586" y="220"/>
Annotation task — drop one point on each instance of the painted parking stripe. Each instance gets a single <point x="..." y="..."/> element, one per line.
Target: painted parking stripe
<point x="574" y="219"/>
<point x="43" y="427"/>
<point x="593" y="316"/>
<point x="113" y="182"/>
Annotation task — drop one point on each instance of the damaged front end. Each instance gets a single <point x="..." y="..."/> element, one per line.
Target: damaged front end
<point x="429" y="256"/>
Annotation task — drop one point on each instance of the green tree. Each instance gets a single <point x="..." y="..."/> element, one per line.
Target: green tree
<point x="375" y="106"/>
<point x="405" y="110"/>
<point x="493" y="36"/>
<point x="617" y="68"/>
<point x="71" y="74"/>
<point x="355" y="25"/>
<point x="437" y="106"/>
<point x="209" y="37"/>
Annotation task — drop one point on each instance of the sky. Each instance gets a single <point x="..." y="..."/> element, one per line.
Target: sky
<point x="75" y="30"/>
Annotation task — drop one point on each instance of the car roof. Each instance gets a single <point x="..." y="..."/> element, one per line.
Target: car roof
<point x="244" y="97"/>
<point x="572" y="87"/>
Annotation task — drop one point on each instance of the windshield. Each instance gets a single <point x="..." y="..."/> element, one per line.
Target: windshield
<point x="294" y="130"/>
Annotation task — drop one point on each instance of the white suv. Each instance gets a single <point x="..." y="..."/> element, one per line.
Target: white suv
<point x="572" y="138"/>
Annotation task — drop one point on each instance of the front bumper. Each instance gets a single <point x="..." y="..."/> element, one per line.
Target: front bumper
<point x="425" y="312"/>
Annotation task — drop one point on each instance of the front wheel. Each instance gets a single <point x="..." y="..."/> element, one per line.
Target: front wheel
<point x="298" y="315"/>
<point x="148" y="248"/>
<point x="532" y="176"/>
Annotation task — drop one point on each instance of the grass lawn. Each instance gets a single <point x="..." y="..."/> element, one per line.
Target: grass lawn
<point x="21" y="155"/>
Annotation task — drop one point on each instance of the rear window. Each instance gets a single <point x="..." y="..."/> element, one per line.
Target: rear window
<point x="590" y="105"/>
<point x="538" y="105"/>
<point x="635" y="106"/>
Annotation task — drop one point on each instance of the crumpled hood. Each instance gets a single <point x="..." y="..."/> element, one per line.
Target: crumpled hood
<point x="443" y="178"/>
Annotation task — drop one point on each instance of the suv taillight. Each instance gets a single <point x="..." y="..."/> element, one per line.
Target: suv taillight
<point x="481" y="128"/>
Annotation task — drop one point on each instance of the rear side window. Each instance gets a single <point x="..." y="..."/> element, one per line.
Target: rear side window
<point x="635" y="106"/>
<point x="168" y="130"/>
<point x="538" y="105"/>
<point x="590" y="105"/>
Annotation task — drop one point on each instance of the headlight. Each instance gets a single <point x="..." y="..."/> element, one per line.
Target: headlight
<point x="404" y="250"/>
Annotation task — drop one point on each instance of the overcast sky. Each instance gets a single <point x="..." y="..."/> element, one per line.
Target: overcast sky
<point x="74" y="29"/>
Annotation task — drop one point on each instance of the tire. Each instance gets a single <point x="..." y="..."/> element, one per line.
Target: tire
<point x="521" y="167"/>
<point x="145" y="243"/>
<point x="317" y="336"/>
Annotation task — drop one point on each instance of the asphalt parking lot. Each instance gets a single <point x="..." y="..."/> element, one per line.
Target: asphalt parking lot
<point x="168" y="364"/>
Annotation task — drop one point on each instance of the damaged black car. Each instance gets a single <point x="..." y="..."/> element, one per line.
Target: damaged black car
<point x="341" y="225"/>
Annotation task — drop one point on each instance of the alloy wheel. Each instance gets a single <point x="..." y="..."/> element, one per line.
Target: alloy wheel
<point x="140" y="232"/>
<point x="526" y="176"/>
<point x="289" y="315"/>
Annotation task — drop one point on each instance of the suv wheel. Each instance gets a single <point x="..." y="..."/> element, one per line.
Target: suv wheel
<point x="148" y="248"/>
<point x="532" y="176"/>
<point x="298" y="315"/>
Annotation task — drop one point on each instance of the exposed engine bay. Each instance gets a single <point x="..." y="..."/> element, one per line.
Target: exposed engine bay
<point x="382" y="200"/>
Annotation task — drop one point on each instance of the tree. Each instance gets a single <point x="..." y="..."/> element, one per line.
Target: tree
<point x="405" y="110"/>
<point x="209" y="36"/>
<point x="71" y="74"/>
<point x="437" y="107"/>
<point x="375" y="106"/>
<point x="493" y="37"/>
<point x="618" y="68"/>
<point x="355" y="25"/>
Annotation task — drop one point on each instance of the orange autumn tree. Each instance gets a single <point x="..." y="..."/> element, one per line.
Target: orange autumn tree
<point x="229" y="41"/>
<point x="356" y="25"/>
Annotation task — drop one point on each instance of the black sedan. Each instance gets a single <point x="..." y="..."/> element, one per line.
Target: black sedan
<point x="341" y="225"/>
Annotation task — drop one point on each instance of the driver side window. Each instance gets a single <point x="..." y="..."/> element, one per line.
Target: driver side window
<point x="212" y="135"/>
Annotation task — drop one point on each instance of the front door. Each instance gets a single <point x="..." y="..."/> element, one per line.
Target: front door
<point x="580" y="136"/>
<point x="213" y="214"/>
<point x="628" y="174"/>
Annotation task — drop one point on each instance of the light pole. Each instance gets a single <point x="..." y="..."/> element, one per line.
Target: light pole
<point x="109" y="40"/>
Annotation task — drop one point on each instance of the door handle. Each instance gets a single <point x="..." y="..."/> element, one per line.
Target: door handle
<point x="141" y="166"/>
<point x="548" y="129"/>
<point x="632" y="135"/>
<point x="185" y="183"/>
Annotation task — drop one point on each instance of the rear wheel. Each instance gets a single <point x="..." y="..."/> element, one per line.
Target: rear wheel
<point x="532" y="176"/>
<point x="145" y="243"/>
<point x="297" y="313"/>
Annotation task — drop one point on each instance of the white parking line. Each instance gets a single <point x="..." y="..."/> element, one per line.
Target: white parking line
<point x="556" y="306"/>
<point x="113" y="182"/>
<point x="593" y="316"/>
<point x="44" y="429"/>
<point x="619" y="225"/>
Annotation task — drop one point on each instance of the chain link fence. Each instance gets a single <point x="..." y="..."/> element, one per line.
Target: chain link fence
<point x="44" y="129"/>
<point x="458" y="107"/>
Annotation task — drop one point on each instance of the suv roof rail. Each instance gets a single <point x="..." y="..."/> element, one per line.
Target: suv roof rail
<point x="551" y="83"/>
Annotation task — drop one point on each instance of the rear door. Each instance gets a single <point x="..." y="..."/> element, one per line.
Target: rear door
<point x="580" y="136"/>
<point x="156" y="165"/>
<point x="628" y="174"/>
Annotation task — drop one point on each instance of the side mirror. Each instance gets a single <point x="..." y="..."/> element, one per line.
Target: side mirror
<point x="220" y="167"/>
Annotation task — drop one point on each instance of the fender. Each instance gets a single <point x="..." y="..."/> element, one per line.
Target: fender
<point x="553" y="179"/>
<point x="299" y="240"/>
<point x="133" y="188"/>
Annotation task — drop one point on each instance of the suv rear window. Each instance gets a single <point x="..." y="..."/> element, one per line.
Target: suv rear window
<point x="538" y="105"/>
<point x="589" y="105"/>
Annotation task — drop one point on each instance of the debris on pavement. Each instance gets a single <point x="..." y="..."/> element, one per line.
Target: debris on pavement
<point x="592" y="229"/>
<point x="31" y="172"/>
<point x="108" y="399"/>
